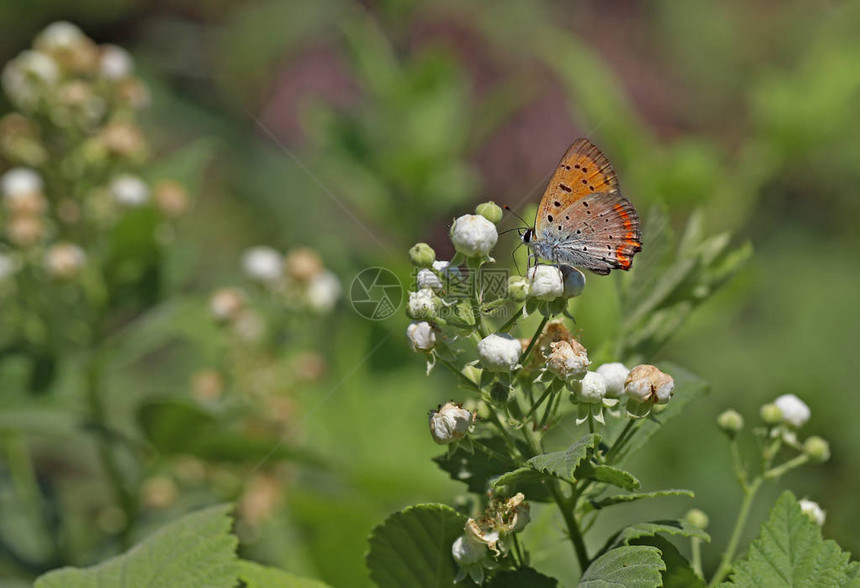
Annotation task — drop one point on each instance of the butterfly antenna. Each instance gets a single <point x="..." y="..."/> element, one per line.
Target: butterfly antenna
<point x="511" y="210"/>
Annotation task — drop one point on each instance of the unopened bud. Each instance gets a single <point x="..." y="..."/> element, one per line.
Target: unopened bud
<point x="490" y="211"/>
<point x="226" y="304"/>
<point x="812" y="510"/>
<point x="450" y="423"/>
<point x="817" y="449"/>
<point x="500" y="393"/>
<point x="731" y="422"/>
<point x="770" y="414"/>
<point x="697" y="518"/>
<point x="422" y="255"/>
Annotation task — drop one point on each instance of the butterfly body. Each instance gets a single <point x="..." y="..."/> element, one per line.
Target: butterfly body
<point x="583" y="220"/>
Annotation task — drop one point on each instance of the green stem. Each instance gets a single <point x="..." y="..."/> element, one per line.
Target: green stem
<point x="566" y="508"/>
<point x="540" y="400"/>
<point x="738" y="464"/>
<point x="726" y="562"/>
<point x="590" y="423"/>
<point x="460" y="375"/>
<point x="696" y="549"/>
<point x="532" y="343"/>
<point x="511" y="321"/>
<point x="626" y="434"/>
<point x="778" y="471"/>
<point x="476" y="302"/>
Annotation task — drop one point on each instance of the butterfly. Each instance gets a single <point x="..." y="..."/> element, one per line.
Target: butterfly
<point x="583" y="220"/>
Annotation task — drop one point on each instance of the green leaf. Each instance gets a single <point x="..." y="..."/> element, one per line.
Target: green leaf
<point x="413" y="547"/>
<point x="790" y="551"/>
<point x="526" y="480"/>
<point x="634" y="496"/>
<point x="633" y="566"/>
<point x="608" y="475"/>
<point x="521" y="577"/>
<point x="196" y="550"/>
<point x="563" y="464"/>
<point x="688" y="387"/>
<point x="255" y="575"/>
<point x="678" y="573"/>
<point x="650" y="529"/>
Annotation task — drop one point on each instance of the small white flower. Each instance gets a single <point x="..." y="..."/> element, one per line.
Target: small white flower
<point x="473" y="235"/>
<point x="38" y="65"/>
<point x="129" y="190"/>
<point x="574" y="281"/>
<point x="499" y="352"/>
<point x="428" y="279"/>
<point x="27" y="75"/>
<point x="423" y="303"/>
<point x="567" y="360"/>
<point x="811" y="509"/>
<point x="794" y="411"/>
<point x="421" y="335"/>
<point x="450" y="423"/>
<point x="263" y="264"/>
<point x="64" y="260"/>
<point x="614" y="374"/>
<point x="546" y="282"/>
<point x="470" y="555"/>
<point x="115" y="63"/>
<point x="20" y="180"/>
<point x="8" y="266"/>
<point x="323" y="291"/>
<point x="593" y="388"/>
<point x="58" y="36"/>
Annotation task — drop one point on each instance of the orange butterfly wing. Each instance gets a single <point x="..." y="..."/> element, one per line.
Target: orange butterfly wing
<point x="583" y="170"/>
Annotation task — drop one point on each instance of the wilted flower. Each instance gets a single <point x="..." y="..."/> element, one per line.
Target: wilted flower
<point x="574" y="281"/>
<point x="226" y="303"/>
<point x="115" y="62"/>
<point x="64" y="261"/>
<point x="263" y="264"/>
<point x="421" y="335"/>
<point x="124" y="139"/>
<point x="568" y="359"/>
<point x="812" y="510"/>
<point x="614" y="374"/>
<point x="499" y="352"/>
<point x="423" y="304"/>
<point x="159" y="492"/>
<point x="473" y="235"/>
<point x="645" y="386"/>
<point x="794" y="411"/>
<point x="129" y="190"/>
<point x="171" y="198"/>
<point x="25" y="230"/>
<point x="546" y="282"/>
<point x="471" y="555"/>
<point x="303" y="264"/>
<point x="450" y="423"/>
<point x="323" y="292"/>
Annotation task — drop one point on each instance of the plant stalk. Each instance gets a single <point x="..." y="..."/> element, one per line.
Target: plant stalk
<point x="726" y="562"/>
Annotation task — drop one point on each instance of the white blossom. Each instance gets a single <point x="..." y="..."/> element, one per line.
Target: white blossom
<point x="423" y="303"/>
<point x="20" y="180"/>
<point x="115" y="63"/>
<point x="592" y="388"/>
<point x="614" y="374"/>
<point x="421" y="335"/>
<point x="470" y="555"/>
<point x="263" y="264"/>
<point x="129" y="190"/>
<point x="473" y="235"/>
<point x="794" y="411"/>
<point x="574" y="281"/>
<point x="450" y="423"/>
<point x="64" y="260"/>
<point x="428" y="279"/>
<point x="499" y="352"/>
<point x="567" y="360"/>
<point x="546" y="282"/>
<point x="811" y="509"/>
<point x="60" y="35"/>
<point x="323" y="291"/>
<point x="25" y="76"/>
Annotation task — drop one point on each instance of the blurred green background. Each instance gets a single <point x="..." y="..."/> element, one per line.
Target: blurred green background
<point x="361" y="128"/>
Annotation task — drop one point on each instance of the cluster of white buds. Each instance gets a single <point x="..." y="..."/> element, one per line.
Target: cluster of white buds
<point x="488" y="536"/>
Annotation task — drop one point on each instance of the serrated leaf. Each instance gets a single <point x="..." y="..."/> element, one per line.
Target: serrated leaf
<point x="608" y="475"/>
<point x="634" y="496"/>
<point x="563" y="464"/>
<point x="196" y="550"/>
<point x="631" y="566"/>
<point x="255" y="575"/>
<point x="526" y="480"/>
<point x="790" y="551"/>
<point x="413" y="547"/>
<point x="678" y="573"/>
<point x="688" y="387"/>
<point x="489" y="460"/>
<point x="649" y="529"/>
<point x="520" y="578"/>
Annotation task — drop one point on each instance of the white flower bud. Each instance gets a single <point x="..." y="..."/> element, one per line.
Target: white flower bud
<point x="421" y="335"/>
<point x="574" y="281"/>
<point x="813" y="511"/>
<point x="129" y="190"/>
<point x="646" y="383"/>
<point x="592" y="388"/>
<point x="450" y="423"/>
<point x="115" y="62"/>
<point x="466" y="550"/>
<point x="614" y="374"/>
<point x="423" y="303"/>
<point x="473" y="235"/>
<point x="427" y="279"/>
<point x="444" y="268"/>
<point x="20" y="180"/>
<point x="499" y="352"/>
<point x="226" y="304"/>
<point x="323" y="291"/>
<point x="25" y="77"/>
<point x="567" y="360"/>
<point x="59" y="35"/>
<point x="263" y="264"/>
<point x="546" y="282"/>
<point x="64" y="261"/>
<point x="794" y="411"/>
